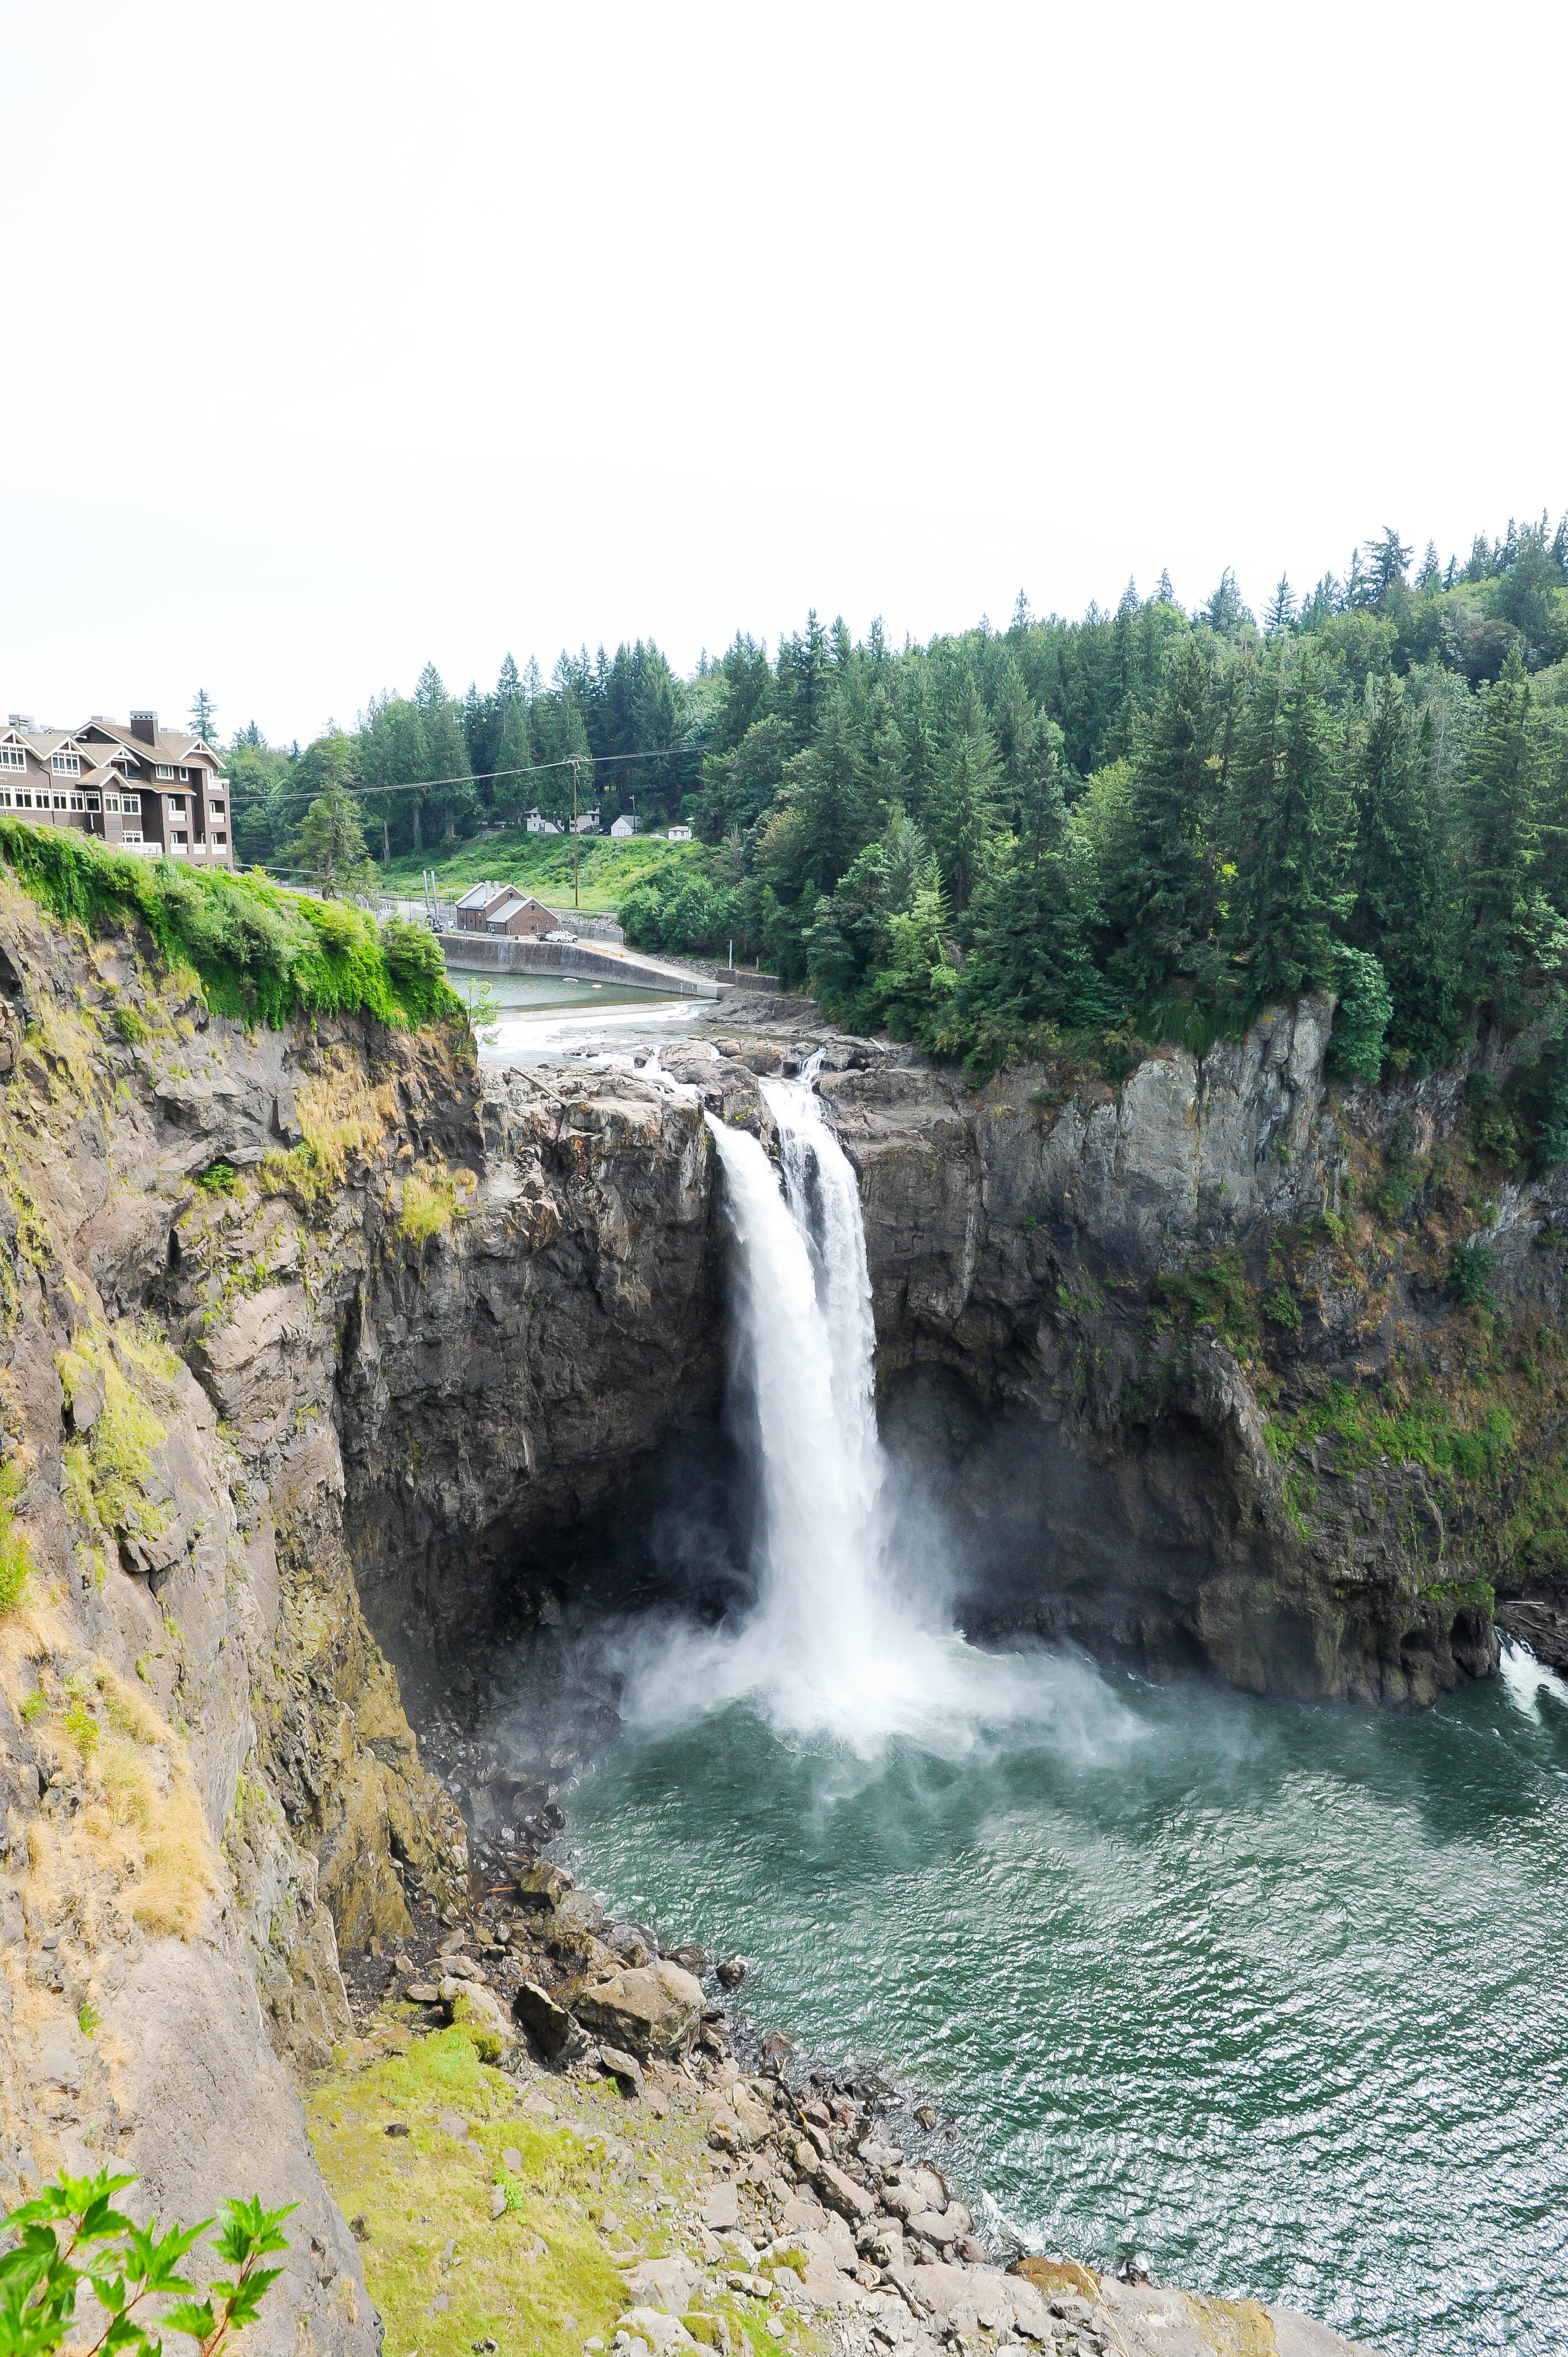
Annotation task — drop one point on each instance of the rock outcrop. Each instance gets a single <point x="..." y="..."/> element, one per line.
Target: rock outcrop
<point x="1108" y="1323"/>
<point x="272" y="1304"/>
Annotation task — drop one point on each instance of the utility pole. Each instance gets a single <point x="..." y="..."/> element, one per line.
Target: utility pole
<point x="575" y="901"/>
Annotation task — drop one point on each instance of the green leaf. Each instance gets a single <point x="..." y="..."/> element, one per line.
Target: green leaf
<point x="247" y="2300"/>
<point x="191" y="2316"/>
<point x="249" y="2230"/>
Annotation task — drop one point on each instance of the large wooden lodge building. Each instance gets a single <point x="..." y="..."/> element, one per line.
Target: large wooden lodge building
<point x="159" y="792"/>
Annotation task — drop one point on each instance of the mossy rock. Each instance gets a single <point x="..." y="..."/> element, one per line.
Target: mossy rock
<point x="1051" y="2276"/>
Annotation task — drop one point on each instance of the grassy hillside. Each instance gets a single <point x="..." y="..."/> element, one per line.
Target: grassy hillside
<point x="540" y="864"/>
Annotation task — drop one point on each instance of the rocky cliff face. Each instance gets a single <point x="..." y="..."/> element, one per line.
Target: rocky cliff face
<point x="327" y="1358"/>
<point x="274" y="1306"/>
<point x="1184" y="1370"/>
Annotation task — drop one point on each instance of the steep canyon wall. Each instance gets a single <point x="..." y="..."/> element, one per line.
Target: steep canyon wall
<point x="327" y="1359"/>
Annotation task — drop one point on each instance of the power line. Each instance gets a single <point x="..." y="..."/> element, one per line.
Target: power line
<point x="473" y="778"/>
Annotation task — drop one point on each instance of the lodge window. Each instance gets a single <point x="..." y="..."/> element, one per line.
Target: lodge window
<point x="92" y="802"/>
<point x="162" y="770"/>
<point x="66" y="765"/>
<point x="176" y="803"/>
<point x="111" y="801"/>
<point x="78" y="802"/>
<point x="130" y="804"/>
<point x="131" y="834"/>
<point x="221" y="839"/>
<point x="13" y="757"/>
<point x="63" y="801"/>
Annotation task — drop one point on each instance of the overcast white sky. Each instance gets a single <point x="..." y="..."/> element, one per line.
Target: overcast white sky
<point x="345" y="335"/>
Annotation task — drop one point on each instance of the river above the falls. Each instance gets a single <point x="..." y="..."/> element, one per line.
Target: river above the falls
<point x="1273" y="1997"/>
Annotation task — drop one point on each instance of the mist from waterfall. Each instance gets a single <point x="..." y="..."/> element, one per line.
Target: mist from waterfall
<point x="838" y="1644"/>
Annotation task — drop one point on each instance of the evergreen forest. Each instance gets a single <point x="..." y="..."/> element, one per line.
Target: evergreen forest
<point x="1142" y="824"/>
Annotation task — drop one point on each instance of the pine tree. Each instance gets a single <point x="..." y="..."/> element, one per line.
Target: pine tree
<point x="451" y="799"/>
<point x="830" y="797"/>
<point x="1030" y="961"/>
<point x="1389" y="559"/>
<point x="1015" y="724"/>
<point x="203" y="715"/>
<point x="1510" y="924"/>
<point x="1280" y="612"/>
<point x="1225" y="611"/>
<point x="1406" y="910"/>
<point x="888" y="779"/>
<point x="802" y="679"/>
<point x="331" y="846"/>
<point x="962" y="809"/>
<point x="1288" y="830"/>
<point x="515" y="788"/>
<point x="1160" y="894"/>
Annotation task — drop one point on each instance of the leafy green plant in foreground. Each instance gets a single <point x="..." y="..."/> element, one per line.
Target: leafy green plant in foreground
<point x="72" y="2234"/>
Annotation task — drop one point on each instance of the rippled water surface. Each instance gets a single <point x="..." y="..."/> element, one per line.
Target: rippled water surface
<point x="1277" y="1996"/>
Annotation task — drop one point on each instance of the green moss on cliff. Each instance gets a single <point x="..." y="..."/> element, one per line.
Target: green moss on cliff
<point x="445" y="2274"/>
<point x="262" y="954"/>
<point x="1366" y="1431"/>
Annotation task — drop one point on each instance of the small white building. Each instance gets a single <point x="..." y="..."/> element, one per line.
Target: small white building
<point x="586" y="821"/>
<point x="679" y="834"/>
<point x="538" y="825"/>
<point x="621" y="827"/>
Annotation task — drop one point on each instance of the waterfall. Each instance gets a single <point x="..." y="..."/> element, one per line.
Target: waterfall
<point x="845" y="1643"/>
<point x="804" y="1344"/>
<point x="839" y="1644"/>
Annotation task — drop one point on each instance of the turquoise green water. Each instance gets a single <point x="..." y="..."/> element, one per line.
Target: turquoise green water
<point x="1276" y="1998"/>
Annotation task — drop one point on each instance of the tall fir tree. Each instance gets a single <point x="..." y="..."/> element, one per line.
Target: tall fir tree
<point x="1406" y="912"/>
<point x="962" y="809"/>
<point x="1289" y="839"/>
<point x="515" y="787"/>
<point x="1030" y="961"/>
<point x="1160" y="894"/>
<point x="450" y="802"/>
<point x="1511" y="927"/>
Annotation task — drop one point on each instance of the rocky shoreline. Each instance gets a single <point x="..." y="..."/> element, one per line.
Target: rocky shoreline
<point x="805" y="2212"/>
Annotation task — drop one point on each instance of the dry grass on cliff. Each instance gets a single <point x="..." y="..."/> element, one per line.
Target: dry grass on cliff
<point x="343" y="1119"/>
<point x="135" y="1848"/>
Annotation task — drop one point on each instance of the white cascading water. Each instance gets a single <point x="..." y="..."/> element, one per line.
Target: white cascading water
<point x="836" y="1645"/>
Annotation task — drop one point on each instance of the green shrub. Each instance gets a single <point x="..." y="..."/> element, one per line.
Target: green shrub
<point x="262" y="954"/>
<point x="16" y="1560"/>
<point x="1362" y="1017"/>
<point x="1470" y="1272"/>
<point x="1281" y="1307"/>
<point x="417" y="969"/>
<point x="220" y="1178"/>
<point x="72" y="2234"/>
<point x="676" y="909"/>
<point x="1214" y="1293"/>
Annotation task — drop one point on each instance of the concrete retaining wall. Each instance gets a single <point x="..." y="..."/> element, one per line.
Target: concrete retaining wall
<point x="498" y="954"/>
